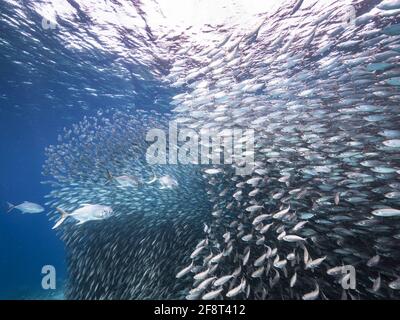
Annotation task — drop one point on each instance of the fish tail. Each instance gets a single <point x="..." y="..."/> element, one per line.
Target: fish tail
<point x="10" y="207"/>
<point x="64" y="216"/>
<point x="152" y="180"/>
<point x="109" y="176"/>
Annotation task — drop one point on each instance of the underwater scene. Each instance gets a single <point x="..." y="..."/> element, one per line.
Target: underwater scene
<point x="200" y="150"/>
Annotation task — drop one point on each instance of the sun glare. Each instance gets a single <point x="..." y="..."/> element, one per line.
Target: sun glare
<point x="197" y="13"/>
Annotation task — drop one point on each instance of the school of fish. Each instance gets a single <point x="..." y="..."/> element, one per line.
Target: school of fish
<point x="319" y="83"/>
<point x="118" y="213"/>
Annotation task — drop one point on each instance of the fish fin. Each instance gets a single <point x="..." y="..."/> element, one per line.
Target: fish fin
<point x="81" y="222"/>
<point x="243" y="285"/>
<point x="64" y="216"/>
<point x="10" y="207"/>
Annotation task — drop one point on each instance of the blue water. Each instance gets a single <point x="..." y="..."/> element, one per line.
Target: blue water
<point x="44" y="87"/>
<point x="27" y="241"/>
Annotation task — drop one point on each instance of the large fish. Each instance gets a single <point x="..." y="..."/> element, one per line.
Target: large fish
<point x="87" y="212"/>
<point x="26" y="207"/>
